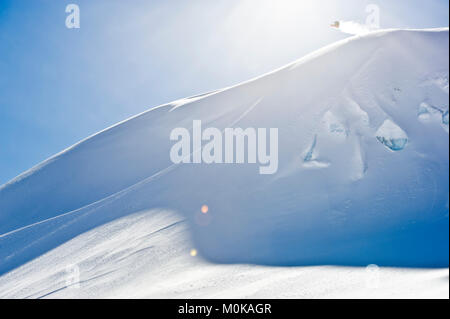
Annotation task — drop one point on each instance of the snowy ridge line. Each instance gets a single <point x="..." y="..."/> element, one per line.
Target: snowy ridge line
<point x="173" y="104"/>
<point x="193" y="98"/>
<point x="124" y="191"/>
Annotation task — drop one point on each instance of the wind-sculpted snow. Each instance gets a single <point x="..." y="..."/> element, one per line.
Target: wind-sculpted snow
<point x="147" y="255"/>
<point x="362" y="177"/>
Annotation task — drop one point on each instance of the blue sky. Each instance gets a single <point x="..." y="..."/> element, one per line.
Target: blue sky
<point x="59" y="85"/>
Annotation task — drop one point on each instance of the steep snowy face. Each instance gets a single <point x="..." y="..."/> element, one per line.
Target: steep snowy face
<point x="362" y="165"/>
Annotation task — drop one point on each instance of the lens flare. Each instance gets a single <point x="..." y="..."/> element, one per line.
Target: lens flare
<point x="204" y="209"/>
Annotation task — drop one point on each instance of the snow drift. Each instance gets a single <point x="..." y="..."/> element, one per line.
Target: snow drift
<point x="362" y="178"/>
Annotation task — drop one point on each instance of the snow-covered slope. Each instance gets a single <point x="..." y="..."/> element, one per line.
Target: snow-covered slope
<point x="362" y="179"/>
<point x="146" y="255"/>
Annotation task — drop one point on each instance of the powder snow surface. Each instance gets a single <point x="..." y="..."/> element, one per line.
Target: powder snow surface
<point x="362" y="179"/>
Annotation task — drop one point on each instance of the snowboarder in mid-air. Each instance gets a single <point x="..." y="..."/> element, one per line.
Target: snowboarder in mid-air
<point x="335" y="25"/>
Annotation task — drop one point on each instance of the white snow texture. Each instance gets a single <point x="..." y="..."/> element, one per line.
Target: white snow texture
<point x="362" y="179"/>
